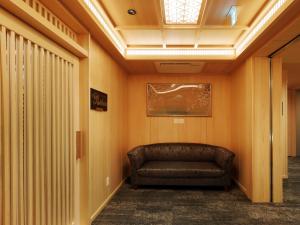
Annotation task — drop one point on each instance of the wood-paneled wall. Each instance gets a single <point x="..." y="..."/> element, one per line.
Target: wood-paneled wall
<point x="214" y="130"/>
<point x="108" y="130"/>
<point x="241" y="125"/>
<point x="277" y="125"/>
<point x="292" y="122"/>
<point x="284" y="123"/>
<point x="261" y="130"/>
<point x="251" y="127"/>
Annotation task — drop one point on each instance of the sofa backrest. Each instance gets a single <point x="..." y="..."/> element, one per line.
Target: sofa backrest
<point x="179" y="152"/>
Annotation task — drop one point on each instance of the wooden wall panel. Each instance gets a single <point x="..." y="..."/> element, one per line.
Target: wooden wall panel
<point x="261" y="130"/>
<point x="278" y="151"/>
<point x="211" y="130"/>
<point x="108" y="129"/>
<point x="292" y="122"/>
<point x="1" y="134"/>
<point x="297" y="123"/>
<point x="251" y="127"/>
<point x="241" y="120"/>
<point x="284" y="124"/>
<point x="83" y="163"/>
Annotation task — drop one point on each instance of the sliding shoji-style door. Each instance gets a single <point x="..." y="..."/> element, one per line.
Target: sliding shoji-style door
<point x="37" y="128"/>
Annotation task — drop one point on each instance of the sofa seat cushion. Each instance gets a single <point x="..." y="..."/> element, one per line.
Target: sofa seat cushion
<point x="179" y="169"/>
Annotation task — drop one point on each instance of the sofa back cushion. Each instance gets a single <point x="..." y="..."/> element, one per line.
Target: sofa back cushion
<point x="179" y="152"/>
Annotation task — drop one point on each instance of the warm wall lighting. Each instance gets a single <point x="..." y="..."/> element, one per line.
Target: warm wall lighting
<point x="181" y="52"/>
<point x="259" y="26"/>
<point x="106" y="26"/>
<point x="182" y="11"/>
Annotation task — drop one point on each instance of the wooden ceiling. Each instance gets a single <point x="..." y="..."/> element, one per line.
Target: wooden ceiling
<point x="147" y="27"/>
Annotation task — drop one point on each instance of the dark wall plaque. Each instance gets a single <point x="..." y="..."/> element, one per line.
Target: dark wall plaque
<point x="98" y="100"/>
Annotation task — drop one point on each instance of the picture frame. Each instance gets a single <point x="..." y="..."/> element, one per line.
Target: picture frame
<point x="179" y="99"/>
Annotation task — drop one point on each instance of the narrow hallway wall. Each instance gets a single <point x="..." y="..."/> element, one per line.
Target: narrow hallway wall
<point x="298" y="122"/>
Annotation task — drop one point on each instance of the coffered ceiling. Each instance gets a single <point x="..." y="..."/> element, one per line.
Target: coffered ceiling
<point x="148" y="27"/>
<point x="141" y="41"/>
<point x="184" y="29"/>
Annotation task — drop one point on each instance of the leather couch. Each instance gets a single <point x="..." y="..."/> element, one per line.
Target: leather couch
<point x="181" y="164"/>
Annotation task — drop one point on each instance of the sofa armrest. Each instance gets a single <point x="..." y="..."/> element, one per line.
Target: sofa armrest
<point x="136" y="157"/>
<point x="224" y="159"/>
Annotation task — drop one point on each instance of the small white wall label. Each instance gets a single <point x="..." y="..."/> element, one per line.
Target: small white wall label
<point x="178" y="121"/>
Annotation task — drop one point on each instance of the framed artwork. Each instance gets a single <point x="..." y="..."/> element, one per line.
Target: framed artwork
<point x="98" y="100"/>
<point x="167" y="99"/>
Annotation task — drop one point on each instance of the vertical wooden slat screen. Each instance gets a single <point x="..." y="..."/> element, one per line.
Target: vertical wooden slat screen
<point x="67" y="159"/>
<point x="42" y="102"/>
<point x="63" y="140"/>
<point x="48" y="146"/>
<point x="1" y="139"/>
<point x="54" y="140"/>
<point x="59" y="140"/>
<point x="20" y="72"/>
<point x="29" y="118"/>
<point x="71" y="131"/>
<point x="37" y="134"/>
<point x="14" y="127"/>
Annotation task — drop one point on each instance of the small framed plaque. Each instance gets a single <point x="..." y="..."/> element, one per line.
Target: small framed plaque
<point x="98" y="100"/>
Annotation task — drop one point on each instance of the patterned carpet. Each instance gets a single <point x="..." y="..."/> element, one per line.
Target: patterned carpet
<point x="189" y="206"/>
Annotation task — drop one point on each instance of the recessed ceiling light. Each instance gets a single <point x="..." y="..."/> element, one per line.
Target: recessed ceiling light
<point x="182" y="11"/>
<point x="131" y="12"/>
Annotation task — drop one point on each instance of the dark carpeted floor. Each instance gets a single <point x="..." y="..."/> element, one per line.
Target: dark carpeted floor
<point x="189" y="206"/>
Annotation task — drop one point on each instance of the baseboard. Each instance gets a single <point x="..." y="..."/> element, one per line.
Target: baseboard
<point x="242" y="187"/>
<point x="101" y="207"/>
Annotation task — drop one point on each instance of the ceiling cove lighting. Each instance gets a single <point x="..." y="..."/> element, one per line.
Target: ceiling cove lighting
<point x="108" y="28"/>
<point x="258" y="27"/>
<point x="181" y="52"/>
<point x="182" y="11"/>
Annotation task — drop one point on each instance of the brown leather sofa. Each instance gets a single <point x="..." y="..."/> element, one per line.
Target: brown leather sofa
<point x="181" y="164"/>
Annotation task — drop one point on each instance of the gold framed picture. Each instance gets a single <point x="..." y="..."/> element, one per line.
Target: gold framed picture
<point x="171" y="99"/>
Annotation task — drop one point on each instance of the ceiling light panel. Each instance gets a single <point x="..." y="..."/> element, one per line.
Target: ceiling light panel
<point x="181" y="52"/>
<point x="182" y="11"/>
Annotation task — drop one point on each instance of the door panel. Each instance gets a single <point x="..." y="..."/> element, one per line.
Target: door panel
<point x="38" y="124"/>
